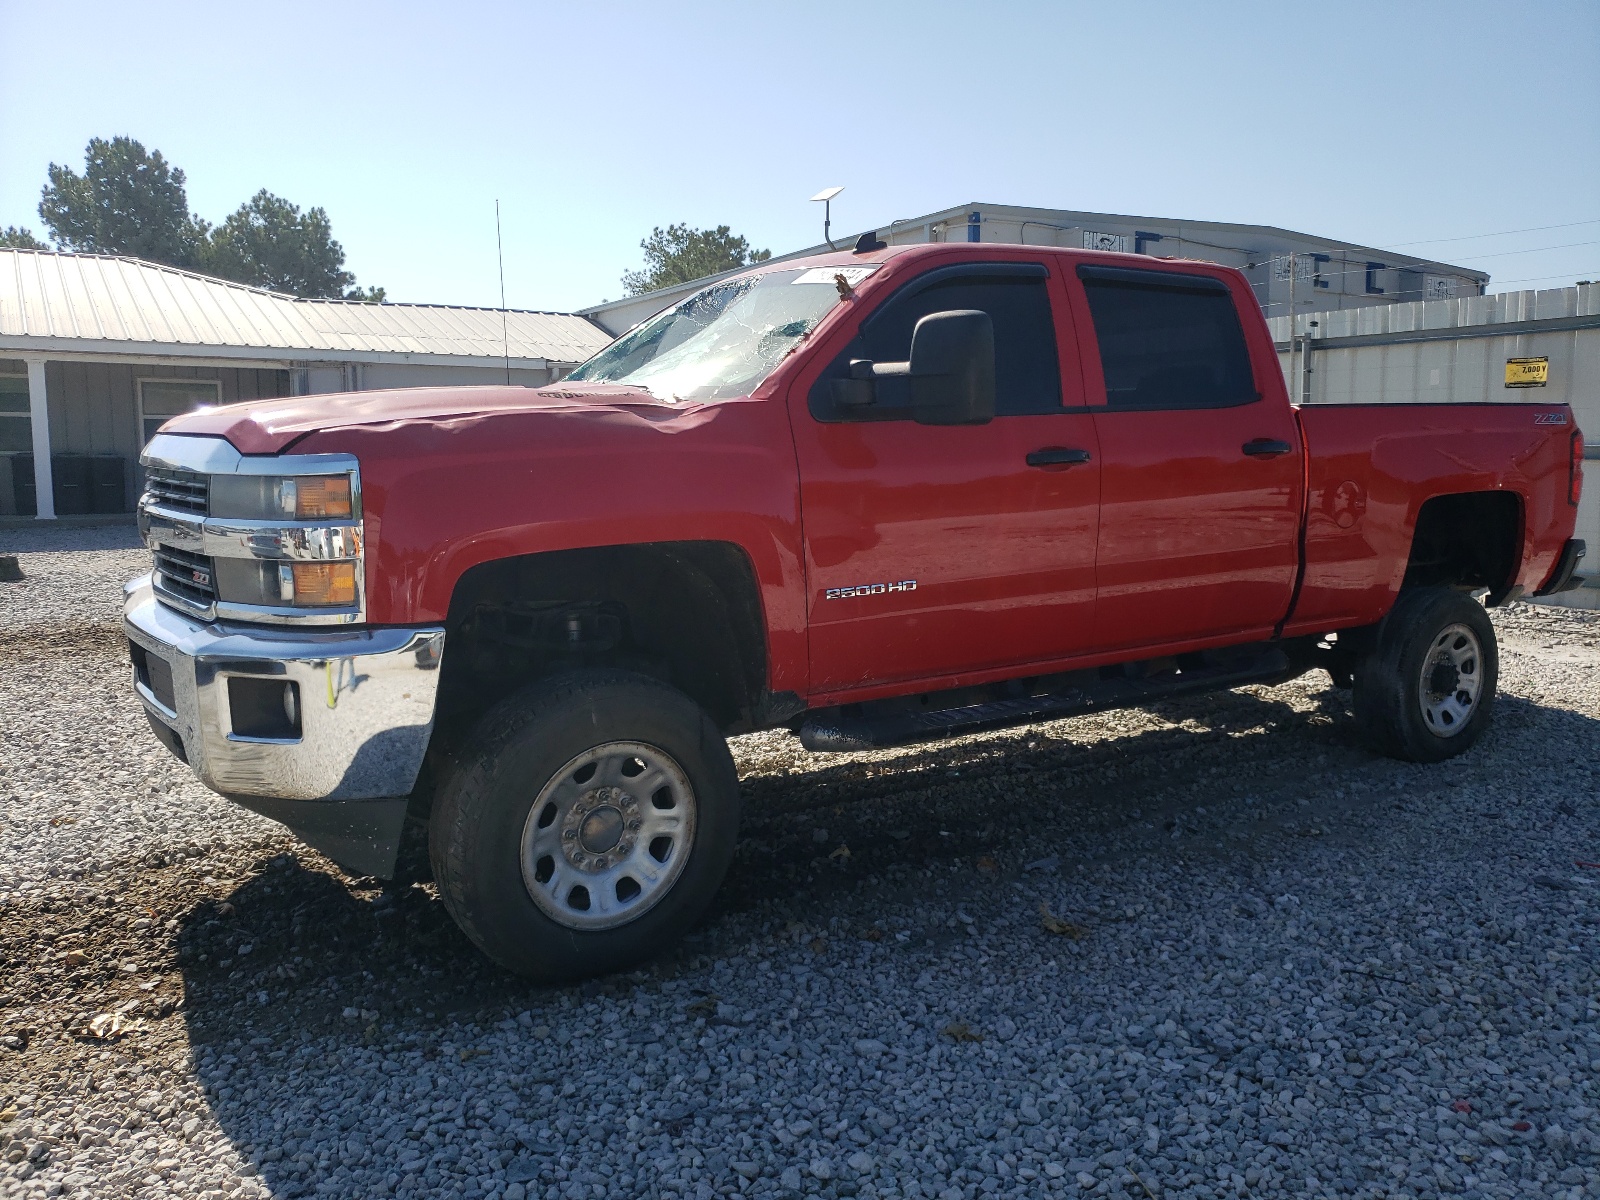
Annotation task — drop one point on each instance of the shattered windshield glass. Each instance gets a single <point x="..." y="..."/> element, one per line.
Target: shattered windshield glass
<point x="720" y="342"/>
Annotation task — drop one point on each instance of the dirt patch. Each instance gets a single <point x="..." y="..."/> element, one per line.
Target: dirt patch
<point x="35" y="641"/>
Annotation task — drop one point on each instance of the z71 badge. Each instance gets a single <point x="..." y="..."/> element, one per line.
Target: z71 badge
<point x="870" y="589"/>
<point x="1551" y="418"/>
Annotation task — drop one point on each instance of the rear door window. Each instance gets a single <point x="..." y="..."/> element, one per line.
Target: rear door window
<point x="1168" y="340"/>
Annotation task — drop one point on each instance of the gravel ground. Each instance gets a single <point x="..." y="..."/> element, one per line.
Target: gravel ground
<point x="1209" y="948"/>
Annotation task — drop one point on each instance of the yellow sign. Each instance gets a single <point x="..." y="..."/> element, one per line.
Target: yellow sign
<point x="1527" y="372"/>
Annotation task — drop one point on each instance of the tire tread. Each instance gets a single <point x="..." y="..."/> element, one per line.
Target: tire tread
<point x="1382" y="696"/>
<point x="455" y="828"/>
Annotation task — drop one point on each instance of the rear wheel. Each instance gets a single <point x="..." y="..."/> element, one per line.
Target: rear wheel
<point x="589" y="823"/>
<point x="1425" y="688"/>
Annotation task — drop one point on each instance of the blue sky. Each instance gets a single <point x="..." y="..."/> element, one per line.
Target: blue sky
<point x="1386" y="124"/>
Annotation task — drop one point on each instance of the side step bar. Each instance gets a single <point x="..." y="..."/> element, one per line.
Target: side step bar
<point x="859" y="727"/>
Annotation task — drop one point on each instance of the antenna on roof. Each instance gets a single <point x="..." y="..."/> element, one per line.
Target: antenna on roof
<point x="500" y="252"/>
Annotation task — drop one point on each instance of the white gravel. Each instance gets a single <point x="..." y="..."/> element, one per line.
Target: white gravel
<point x="78" y="750"/>
<point x="71" y="574"/>
<point x="1285" y="967"/>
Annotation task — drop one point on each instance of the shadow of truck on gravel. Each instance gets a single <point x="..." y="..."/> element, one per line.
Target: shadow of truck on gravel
<point x="300" y="972"/>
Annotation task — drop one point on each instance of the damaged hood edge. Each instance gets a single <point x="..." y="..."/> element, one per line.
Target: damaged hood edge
<point x="271" y="426"/>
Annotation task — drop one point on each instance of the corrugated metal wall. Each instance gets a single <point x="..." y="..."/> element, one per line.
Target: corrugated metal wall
<point x="94" y="408"/>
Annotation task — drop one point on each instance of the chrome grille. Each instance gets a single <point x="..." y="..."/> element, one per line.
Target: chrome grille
<point x="186" y="491"/>
<point x="186" y="576"/>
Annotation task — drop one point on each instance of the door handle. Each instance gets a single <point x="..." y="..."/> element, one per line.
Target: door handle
<point x="1266" y="448"/>
<point x="1057" y="456"/>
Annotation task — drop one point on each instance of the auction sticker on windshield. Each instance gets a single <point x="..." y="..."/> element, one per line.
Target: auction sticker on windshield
<point x="852" y="275"/>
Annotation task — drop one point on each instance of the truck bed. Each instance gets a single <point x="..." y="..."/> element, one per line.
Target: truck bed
<point x="1371" y="468"/>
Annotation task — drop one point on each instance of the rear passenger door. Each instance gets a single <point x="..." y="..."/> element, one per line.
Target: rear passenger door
<point x="1201" y="472"/>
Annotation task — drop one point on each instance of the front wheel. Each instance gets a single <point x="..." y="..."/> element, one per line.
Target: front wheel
<point x="1424" y="690"/>
<point x="589" y="823"/>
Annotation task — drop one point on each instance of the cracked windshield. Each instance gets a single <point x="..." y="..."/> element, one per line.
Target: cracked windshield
<point x="719" y="343"/>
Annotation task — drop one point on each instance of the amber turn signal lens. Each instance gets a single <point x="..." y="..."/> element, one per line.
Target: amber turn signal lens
<point x="324" y="583"/>
<point x="321" y="496"/>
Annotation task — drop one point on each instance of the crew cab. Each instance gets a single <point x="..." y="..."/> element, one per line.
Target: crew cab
<point x="875" y="497"/>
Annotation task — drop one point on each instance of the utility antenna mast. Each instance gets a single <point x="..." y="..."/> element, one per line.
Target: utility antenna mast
<point x="1292" y="376"/>
<point x="500" y="253"/>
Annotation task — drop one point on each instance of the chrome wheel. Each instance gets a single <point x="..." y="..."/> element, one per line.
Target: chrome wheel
<point x="1452" y="678"/>
<point x="608" y="836"/>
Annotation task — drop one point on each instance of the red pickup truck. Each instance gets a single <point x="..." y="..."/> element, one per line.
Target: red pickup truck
<point x="873" y="497"/>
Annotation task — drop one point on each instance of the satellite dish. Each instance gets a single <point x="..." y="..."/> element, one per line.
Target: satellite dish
<point x="826" y="195"/>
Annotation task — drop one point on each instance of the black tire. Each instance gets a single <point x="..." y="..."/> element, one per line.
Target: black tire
<point x="482" y="816"/>
<point x="1406" y="706"/>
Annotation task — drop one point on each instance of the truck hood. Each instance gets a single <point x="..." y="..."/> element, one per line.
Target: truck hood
<point x="271" y="426"/>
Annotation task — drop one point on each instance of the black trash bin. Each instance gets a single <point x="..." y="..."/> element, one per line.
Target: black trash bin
<point x="72" y="477"/>
<point x="22" y="485"/>
<point x="108" y="481"/>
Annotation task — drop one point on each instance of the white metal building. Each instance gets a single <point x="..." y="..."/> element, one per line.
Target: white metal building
<point x="96" y="351"/>
<point x="1312" y="273"/>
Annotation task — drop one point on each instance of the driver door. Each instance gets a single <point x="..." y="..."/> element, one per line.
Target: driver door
<point x="935" y="552"/>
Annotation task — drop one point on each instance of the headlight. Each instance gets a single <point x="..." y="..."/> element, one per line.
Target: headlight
<point x="289" y="563"/>
<point x="287" y="584"/>
<point x="280" y="497"/>
<point x="317" y="585"/>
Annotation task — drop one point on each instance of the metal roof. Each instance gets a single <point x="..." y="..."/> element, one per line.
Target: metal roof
<point x="95" y="303"/>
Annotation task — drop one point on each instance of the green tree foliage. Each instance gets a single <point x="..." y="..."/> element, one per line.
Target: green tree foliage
<point x="127" y="201"/>
<point x="15" y="237"/>
<point x="678" y="254"/>
<point x="131" y="201"/>
<point x="270" y="243"/>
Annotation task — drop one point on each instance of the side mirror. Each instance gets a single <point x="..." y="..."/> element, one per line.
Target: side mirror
<point x="952" y="368"/>
<point x="950" y="374"/>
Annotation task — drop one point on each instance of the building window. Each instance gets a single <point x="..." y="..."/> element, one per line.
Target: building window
<point x="16" y="420"/>
<point x="162" y="399"/>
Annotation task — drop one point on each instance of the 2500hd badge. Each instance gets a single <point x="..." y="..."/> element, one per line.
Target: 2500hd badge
<point x="870" y="589"/>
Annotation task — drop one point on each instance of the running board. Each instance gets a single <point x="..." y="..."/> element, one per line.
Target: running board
<point x="837" y="730"/>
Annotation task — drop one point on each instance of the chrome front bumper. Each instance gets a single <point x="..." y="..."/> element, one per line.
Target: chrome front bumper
<point x="365" y="711"/>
